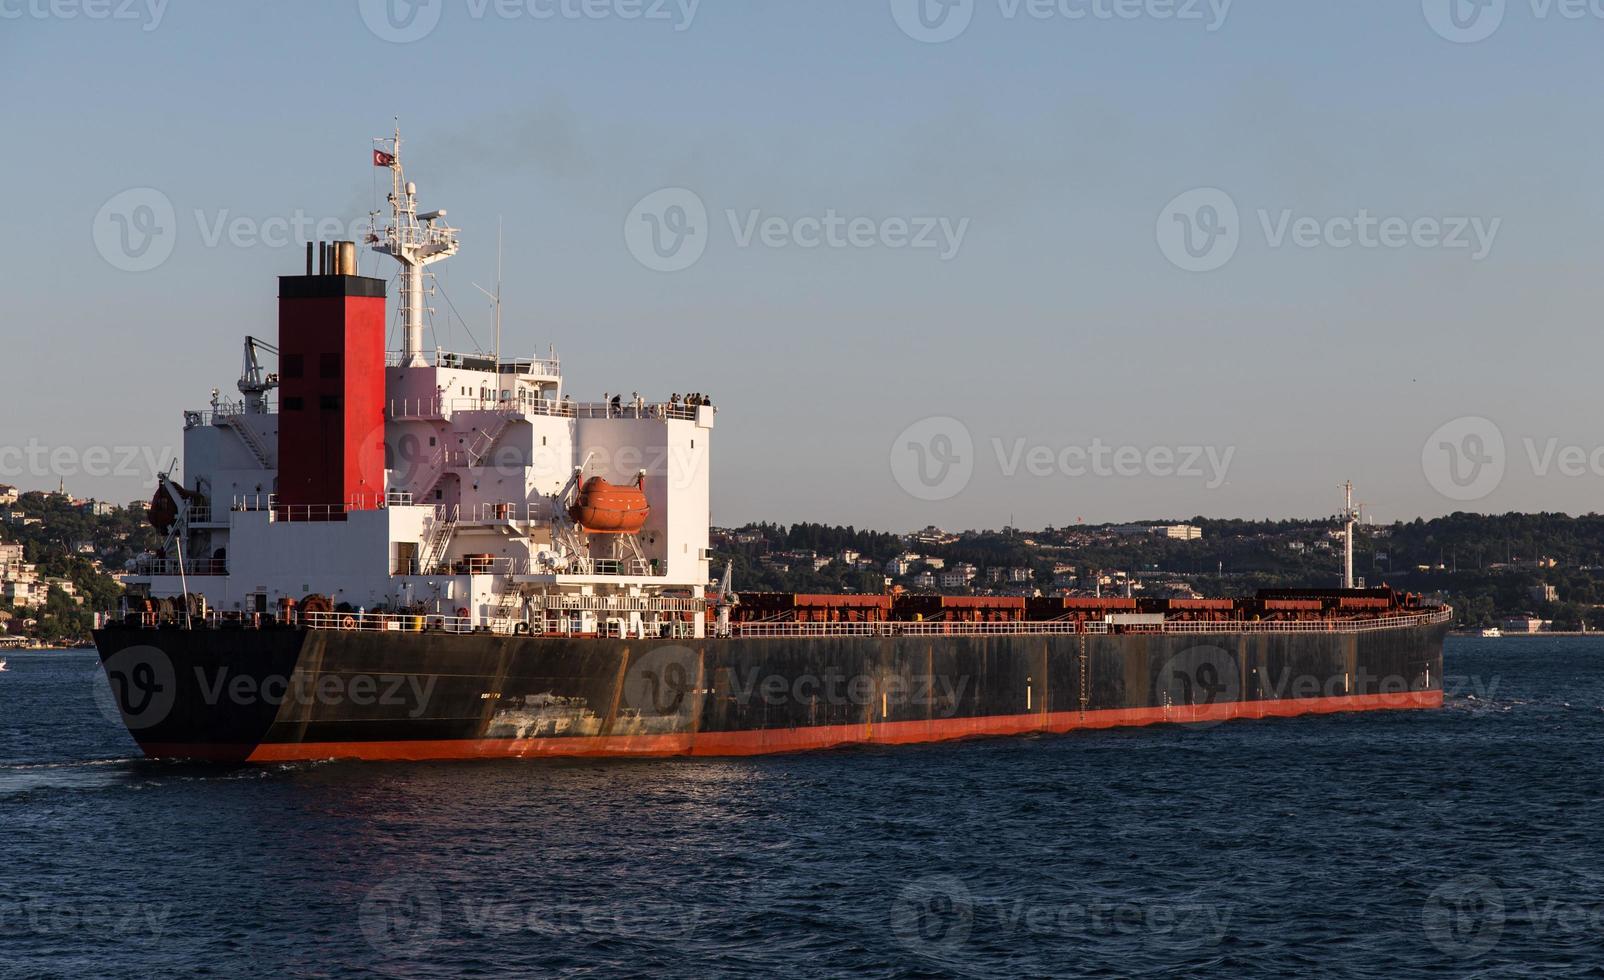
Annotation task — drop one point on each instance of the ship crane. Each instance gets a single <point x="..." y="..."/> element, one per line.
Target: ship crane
<point x="727" y="598"/>
<point x="254" y="382"/>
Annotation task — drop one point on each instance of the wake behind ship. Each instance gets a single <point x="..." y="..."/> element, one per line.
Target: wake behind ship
<point x="421" y="554"/>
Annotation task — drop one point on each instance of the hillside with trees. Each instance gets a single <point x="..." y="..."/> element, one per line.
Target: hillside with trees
<point x="1488" y="566"/>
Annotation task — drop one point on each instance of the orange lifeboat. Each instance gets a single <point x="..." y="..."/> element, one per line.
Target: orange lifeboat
<point x="164" y="509"/>
<point x="605" y="508"/>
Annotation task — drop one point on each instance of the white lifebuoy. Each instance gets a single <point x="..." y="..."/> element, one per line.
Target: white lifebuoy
<point x="349" y="622"/>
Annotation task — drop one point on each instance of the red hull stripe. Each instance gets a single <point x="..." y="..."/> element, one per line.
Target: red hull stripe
<point x="792" y="739"/>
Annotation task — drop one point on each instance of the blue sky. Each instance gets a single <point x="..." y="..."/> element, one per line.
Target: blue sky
<point x="1058" y="322"/>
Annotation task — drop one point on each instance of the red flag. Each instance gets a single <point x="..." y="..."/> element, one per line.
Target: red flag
<point x="383" y="159"/>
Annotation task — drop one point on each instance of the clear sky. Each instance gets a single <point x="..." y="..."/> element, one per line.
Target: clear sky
<point x="946" y="255"/>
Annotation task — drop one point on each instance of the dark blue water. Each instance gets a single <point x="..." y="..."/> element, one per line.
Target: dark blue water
<point x="1463" y="842"/>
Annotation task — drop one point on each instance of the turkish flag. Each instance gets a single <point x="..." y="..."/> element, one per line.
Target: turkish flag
<point x="383" y="159"/>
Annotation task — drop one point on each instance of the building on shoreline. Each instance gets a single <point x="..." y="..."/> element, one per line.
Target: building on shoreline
<point x="1527" y="624"/>
<point x="1175" y="532"/>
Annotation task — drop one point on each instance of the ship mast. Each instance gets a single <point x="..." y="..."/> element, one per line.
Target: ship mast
<point x="1350" y="517"/>
<point x="414" y="240"/>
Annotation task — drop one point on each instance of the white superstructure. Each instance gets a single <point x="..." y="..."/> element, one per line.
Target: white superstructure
<point x="485" y="460"/>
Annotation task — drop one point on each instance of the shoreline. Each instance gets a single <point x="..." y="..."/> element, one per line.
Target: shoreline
<point x="1515" y="636"/>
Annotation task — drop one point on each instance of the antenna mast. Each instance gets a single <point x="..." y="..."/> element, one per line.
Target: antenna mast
<point x="1350" y="517"/>
<point x="498" y="295"/>
<point x="414" y="240"/>
<point x="496" y="298"/>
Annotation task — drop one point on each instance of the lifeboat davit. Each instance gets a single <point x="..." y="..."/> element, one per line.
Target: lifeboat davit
<point x="606" y="508"/>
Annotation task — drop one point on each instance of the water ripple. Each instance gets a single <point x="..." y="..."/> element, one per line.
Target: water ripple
<point x="1463" y="842"/>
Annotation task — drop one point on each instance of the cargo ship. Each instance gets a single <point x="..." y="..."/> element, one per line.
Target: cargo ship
<point x="419" y="554"/>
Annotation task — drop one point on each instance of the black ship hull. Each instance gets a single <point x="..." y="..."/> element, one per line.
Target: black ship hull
<point x="284" y="694"/>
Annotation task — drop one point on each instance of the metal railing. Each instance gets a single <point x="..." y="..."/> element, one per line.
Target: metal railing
<point x="277" y="511"/>
<point x="547" y="367"/>
<point x="535" y="512"/>
<point x="1180" y="627"/>
<point x="170" y="566"/>
<point x="253" y="501"/>
<point x="497" y="513"/>
<point x="438" y="408"/>
<point x="549" y="624"/>
<point x="528" y="566"/>
<point x="537" y="367"/>
<point x="221" y="414"/>
<point x="634" y="410"/>
<point x="1442" y="615"/>
<point x="386" y="622"/>
<point x="608" y="566"/>
<point x="914" y="629"/>
<point x="614" y="605"/>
